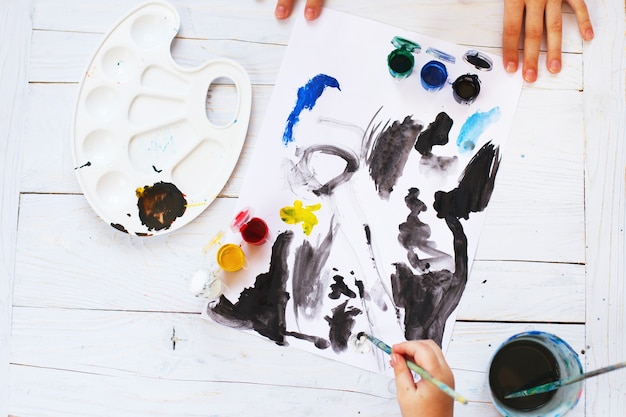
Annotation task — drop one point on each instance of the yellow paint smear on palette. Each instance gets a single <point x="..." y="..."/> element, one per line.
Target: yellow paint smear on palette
<point x="230" y="257"/>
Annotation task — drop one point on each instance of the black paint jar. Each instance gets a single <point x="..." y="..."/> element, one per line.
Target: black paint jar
<point x="466" y="88"/>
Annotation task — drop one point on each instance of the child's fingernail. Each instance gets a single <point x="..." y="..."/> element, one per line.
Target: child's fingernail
<point x="393" y="362"/>
<point x="309" y="13"/>
<point x="555" y="66"/>
<point x="280" y="12"/>
<point x="511" y="67"/>
<point x="589" y="34"/>
<point x="530" y="75"/>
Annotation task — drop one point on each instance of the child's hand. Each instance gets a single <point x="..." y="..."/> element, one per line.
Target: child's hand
<point x="530" y="14"/>
<point x="422" y="399"/>
<point x="312" y="9"/>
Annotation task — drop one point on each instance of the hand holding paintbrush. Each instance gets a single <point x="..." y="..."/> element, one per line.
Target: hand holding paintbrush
<point x="432" y="395"/>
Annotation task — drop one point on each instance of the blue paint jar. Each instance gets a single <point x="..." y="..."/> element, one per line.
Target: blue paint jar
<point x="434" y="75"/>
<point x="401" y="61"/>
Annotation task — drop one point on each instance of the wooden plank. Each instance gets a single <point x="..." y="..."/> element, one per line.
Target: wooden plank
<point x="536" y="212"/>
<point x="481" y="21"/>
<point x="149" y="274"/>
<point x="15" y="29"/>
<point x="43" y="392"/>
<point x="63" y="57"/>
<point x="605" y="201"/>
<point x="524" y="291"/>
<point x="65" y="256"/>
<point x="103" y="350"/>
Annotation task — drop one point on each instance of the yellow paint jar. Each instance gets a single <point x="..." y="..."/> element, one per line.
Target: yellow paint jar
<point x="230" y="257"/>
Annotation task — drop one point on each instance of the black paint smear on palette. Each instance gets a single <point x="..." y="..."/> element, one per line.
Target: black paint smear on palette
<point x="430" y="298"/>
<point x="262" y="307"/>
<point x="160" y="204"/>
<point x="87" y="164"/>
<point x="119" y="227"/>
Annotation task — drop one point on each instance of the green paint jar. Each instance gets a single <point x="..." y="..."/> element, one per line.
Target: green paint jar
<point x="401" y="61"/>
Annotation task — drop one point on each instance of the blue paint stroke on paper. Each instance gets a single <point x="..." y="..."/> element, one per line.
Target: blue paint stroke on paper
<point x="307" y="97"/>
<point x="474" y="126"/>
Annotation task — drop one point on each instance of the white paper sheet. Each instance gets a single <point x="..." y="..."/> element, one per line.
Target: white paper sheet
<point x="333" y="127"/>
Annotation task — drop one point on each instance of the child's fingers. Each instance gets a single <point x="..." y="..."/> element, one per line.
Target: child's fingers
<point x="405" y="384"/>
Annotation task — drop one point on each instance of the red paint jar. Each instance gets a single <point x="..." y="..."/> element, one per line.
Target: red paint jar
<point x="253" y="230"/>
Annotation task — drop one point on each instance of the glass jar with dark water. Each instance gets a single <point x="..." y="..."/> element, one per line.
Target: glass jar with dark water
<point x="530" y="359"/>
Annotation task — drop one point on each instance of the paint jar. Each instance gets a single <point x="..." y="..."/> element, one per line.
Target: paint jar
<point x="466" y="88"/>
<point x="253" y="230"/>
<point x="206" y="284"/>
<point x="434" y="75"/>
<point x="478" y="60"/>
<point x="530" y="359"/>
<point x="230" y="257"/>
<point x="401" y="61"/>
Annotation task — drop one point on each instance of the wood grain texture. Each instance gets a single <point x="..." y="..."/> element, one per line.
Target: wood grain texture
<point x="15" y="32"/>
<point x="605" y="201"/>
<point x="131" y="355"/>
<point x="103" y="323"/>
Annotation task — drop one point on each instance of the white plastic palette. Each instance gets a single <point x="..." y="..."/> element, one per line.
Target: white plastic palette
<point x="140" y="125"/>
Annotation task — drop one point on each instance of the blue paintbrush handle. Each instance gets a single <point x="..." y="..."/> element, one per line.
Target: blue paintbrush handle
<point x="551" y="386"/>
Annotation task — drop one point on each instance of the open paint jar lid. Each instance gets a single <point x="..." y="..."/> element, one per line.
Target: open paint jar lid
<point x="400" y="61"/>
<point x="478" y="60"/>
<point x="439" y="54"/>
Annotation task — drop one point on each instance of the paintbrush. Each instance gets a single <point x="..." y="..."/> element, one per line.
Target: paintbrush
<point x="417" y="369"/>
<point x="551" y="386"/>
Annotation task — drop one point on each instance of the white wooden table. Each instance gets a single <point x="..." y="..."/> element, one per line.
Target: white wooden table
<point x="94" y="322"/>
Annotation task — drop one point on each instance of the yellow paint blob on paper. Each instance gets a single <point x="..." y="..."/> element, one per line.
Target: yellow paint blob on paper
<point x="300" y="214"/>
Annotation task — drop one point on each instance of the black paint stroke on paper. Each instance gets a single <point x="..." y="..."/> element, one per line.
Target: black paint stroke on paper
<point x="302" y="174"/>
<point x="437" y="133"/>
<point x="340" y="288"/>
<point x="390" y="152"/>
<point x="415" y="235"/>
<point x="308" y="284"/>
<point x="429" y="298"/>
<point x="262" y="307"/>
<point x="341" y="324"/>
<point x="475" y="187"/>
